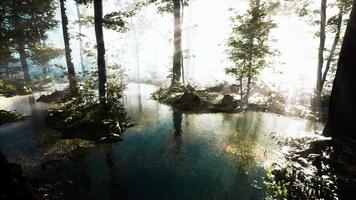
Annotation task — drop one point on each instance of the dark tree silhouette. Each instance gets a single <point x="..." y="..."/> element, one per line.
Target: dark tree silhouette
<point x="98" y="20"/>
<point x="70" y="66"/>
<point x="342" y="109"/>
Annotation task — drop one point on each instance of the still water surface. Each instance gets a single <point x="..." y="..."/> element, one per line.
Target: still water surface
<point x="168" y="155"/>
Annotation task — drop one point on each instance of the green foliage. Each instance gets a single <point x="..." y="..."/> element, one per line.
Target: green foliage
<point x="42" y="54"/>
<point x="115" y="20"/>
<point x="12" y="88"/>
<point x="27" y="20"/>
<point x="290" y="181"/>
<point x="167" y="5"/>
<point x="9" y="116"/>
<point x="82" y="114"/>
<point x="248" y="45"/>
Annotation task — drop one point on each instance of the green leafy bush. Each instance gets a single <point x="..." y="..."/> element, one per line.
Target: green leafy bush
<point x="9" y="116"/>
<point x="81" y="115"/>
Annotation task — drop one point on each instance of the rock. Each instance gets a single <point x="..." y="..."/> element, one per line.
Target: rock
<point x="188" y="101"/>
<point x="112" y="138"/>
<point x="228" y="101"/>
<point x="190" y="88"/>
<point x="55" y="97"/>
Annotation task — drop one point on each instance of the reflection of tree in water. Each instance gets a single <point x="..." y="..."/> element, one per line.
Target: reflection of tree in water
<point x="32" y="105"/>
<point x="243" y="150"/>
<point x="140" y="111"/>
<point x="242" y="143"/>
<point x="177" y="124"/>
<point x="117" y="188"/>
<point x="82" y="189"/>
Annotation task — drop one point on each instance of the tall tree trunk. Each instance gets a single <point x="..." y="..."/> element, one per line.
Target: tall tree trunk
<point x="23" y="60"/>
<point x="333" y="48"/>
<point x="181" y="35"/>
<point x="241" y="90"/>
<point x="80" y="39"/>
<point x="342" y="109"/>
<point x="70" y="66"/>
<point x="317" y="100"/>
<point x="177" y="40"/>
<point x="98" y="19"/>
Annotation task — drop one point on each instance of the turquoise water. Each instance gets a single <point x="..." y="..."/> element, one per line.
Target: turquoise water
<point x="168" y="155"/>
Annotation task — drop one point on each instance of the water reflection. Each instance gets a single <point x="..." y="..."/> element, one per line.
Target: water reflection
<point x="139" y="107"/>
<point x="168" y="155"/>
<point x="177" y="122"/>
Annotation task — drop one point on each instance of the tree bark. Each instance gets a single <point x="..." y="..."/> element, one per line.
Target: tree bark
<point x="177" y="41"/>
<point x="182" y="59"/>
<point x="98" y="19"/>
<point x="342" y="108"/>
<point x="70" y="66"/>
<point x="333" y="48"/>
<point x="317" y="100"/>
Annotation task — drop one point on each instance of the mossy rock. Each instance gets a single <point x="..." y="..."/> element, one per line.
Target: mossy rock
<point x="188" y="101"/>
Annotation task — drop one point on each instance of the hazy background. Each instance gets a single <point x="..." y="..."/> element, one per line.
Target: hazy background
<point x="206" y="27"/>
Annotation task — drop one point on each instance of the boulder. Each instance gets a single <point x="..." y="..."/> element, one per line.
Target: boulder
<point x="55" y="97"/>
<point x="227" y="101"/>
<point x="188" y="101"/>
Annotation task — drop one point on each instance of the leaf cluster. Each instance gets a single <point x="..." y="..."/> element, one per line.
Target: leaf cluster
<point x="248" y="45"/>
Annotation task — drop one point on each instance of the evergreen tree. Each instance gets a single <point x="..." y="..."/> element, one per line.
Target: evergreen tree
<point x="27" y="23"/>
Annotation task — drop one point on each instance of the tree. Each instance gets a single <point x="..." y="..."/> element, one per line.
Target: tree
<point x="177" y="38"/>
<point x="98" y="20"/>
<point x="248" y="45"/>
<point x="70" y="66"/>
<point x="341" y="120"/>
<point x="175" y="7"/>
<point x="80" y="38"/>
<point x="42" y="54"/>
<point x="27" y="23"/>
<point x="320" y="55"/>
<point x="334" y="24"/>
<point x="115" y="21"/>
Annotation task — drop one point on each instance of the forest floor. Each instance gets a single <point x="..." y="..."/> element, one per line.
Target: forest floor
<point x="315" y="167"/>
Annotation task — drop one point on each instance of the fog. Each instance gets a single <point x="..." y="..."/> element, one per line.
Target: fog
<point x="147" y="45"/>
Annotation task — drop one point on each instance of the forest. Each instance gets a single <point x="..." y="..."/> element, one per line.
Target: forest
<point x="177" y="99"/>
